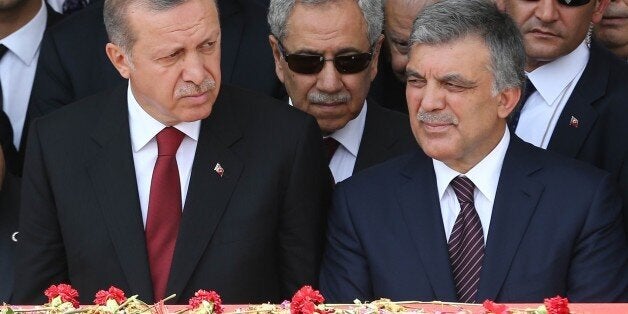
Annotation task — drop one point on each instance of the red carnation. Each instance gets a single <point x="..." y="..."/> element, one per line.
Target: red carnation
<point x="495" y="308"/>
<point x="557" y="305"/>
<point x="305" y="301"/>
<point x="210" y="296"/>
<point x="66" y="292"/>
<point x="113" y="293"/>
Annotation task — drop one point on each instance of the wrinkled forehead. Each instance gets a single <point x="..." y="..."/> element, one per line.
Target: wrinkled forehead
<point x="328" y="23"/>
<point x="188" y="18"/>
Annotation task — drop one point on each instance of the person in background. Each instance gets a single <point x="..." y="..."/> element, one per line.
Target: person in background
<point x="22" y="26"/>
<point x="326" y="55"/>
<point x="612" y="30"/>
<point x="574" y="103"/>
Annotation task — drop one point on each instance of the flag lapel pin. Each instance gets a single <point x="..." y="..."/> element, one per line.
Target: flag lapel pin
<point x="219" y="169"/>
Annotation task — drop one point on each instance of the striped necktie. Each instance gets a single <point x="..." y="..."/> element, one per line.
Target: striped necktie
<point x="466" y="243"/>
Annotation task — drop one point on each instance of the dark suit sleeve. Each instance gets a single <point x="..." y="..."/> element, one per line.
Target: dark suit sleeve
<point x="40" y="259"/>
<point x="51" y="88"/>
<point x="623" y="189"/>
<point x="306" y="202"/>
<point x="344" y="271"/>
<point x="599" y="267"/>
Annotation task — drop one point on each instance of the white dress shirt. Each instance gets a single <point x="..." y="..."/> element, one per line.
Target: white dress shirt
<point x="349" y="137"/>
<point x="144" y="128"/>
<point x="17" y="70"/>
<point x="485" y="176"/>
<point x="554" y="84"/>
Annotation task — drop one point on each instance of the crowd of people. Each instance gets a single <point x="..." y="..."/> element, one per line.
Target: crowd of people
<point x="453" y="150"/>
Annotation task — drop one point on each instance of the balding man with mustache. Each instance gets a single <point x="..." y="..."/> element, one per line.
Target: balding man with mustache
<point x="173" y="182"/>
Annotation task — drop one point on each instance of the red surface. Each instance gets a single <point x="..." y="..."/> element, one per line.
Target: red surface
<point x="580" y="308"/>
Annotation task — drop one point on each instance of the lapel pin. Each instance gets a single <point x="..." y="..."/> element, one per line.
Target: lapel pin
<point x="14" y="236"/>
<point x="219" y="170"/>
<point x="573" y="122"/>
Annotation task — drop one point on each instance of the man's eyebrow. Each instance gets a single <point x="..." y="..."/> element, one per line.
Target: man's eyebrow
<point x="413" y="73"/>
<point x="457" y="78"/>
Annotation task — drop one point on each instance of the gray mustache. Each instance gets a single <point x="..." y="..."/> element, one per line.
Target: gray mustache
<point x="428" y="117"/>
<point x="190" y="89"/>
<point x="318" y="97"/>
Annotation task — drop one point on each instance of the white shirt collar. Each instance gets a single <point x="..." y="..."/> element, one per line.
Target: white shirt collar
<point x="144" y="127"/>
<point x="350" y="135"/>
<point x="24" y="42"/>
<point x="552" y="78"/>
<point x="485" y="175"/>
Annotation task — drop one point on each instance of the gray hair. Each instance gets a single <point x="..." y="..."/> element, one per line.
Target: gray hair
<point x="449" y="20"/>
<point x="117" y="25"/>
<point x="279" y="11"/>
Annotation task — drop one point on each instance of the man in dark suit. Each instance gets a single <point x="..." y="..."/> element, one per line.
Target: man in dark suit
<point x="358" y="133"/>
<point x="74" y="64"/>
<point x="576" y="100"/>
<point x="477" y="214"/>
<point x="175" y="182"/>
<point x="612" y="30"/>
<point x="9" y="209"/>
<point x="22" y="25"/>
<point x="389" y="85"/>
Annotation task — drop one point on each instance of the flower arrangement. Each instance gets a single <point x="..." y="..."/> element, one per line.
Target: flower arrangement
<point x="63" y="299"/>
<point x="555" y="305"/>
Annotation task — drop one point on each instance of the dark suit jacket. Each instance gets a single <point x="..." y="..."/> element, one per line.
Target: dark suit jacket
<point x="386" y="134"/>
<point x="253" y="235"/>
<point x="74" y="65"/>
<point x="600" y="103"/>
<point x="10" y="194"/>
<point x="386" y="88"/>
<point x="554" y="230"/>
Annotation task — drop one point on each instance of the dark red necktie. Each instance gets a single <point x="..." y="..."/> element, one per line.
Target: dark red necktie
<point x="466" y="243"/>
<point x="330" y="145"/>
<point x="164" y="209"/>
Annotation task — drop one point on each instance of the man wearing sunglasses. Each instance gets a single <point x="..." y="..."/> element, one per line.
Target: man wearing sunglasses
<point x="575" y="103"/>
<point x="326" y="55"/>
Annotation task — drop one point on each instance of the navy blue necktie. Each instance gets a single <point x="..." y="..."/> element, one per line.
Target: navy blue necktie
<point x="514" y="119"/>
<point x="71" y="6"/>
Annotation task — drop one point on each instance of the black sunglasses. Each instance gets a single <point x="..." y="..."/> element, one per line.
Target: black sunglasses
<point x="573" y="3"/>
<point x="311" y="64"/>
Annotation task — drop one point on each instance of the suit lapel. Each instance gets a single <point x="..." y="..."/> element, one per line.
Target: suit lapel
<point x="112" y="174"/>
<point x="232" y="25"/>
<point x="376" y="139"/>
<point x="418" y="198"/>
<point x="515" y="202"/>
<point x="208" y="193"/>
<point x="569" y="134"/>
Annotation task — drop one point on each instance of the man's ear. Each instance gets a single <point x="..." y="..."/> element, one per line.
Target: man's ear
<point x="376" y="51"/>
<point x="501" y="5"/>
<point x="600" y="7"/>
<point x="119" y="59"/>
<point x="508" y="100"/>
<point x="274" y="45"/>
